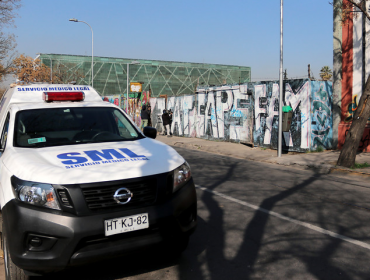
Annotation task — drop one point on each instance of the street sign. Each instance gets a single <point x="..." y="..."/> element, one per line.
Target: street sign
<point x="135" y="87"/>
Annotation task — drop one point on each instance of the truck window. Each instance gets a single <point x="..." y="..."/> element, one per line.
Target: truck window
<point x="73" y="125"/>
<point x="4" y="134"/>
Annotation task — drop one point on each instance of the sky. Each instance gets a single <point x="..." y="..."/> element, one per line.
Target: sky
<point x="232" y="32"/>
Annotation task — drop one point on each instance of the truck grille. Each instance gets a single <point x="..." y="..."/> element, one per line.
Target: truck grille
<point x="101" y="197"/>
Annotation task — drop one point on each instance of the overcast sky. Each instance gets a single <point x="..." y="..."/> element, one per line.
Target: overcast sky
<point x="234" y="32"/>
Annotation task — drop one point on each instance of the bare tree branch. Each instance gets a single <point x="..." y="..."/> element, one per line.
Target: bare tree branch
<point x="7" y="12"/>
<point x="7" y="41"/>
<point x="360" y="6"/>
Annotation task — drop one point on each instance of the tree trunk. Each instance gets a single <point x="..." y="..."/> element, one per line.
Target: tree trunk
<point x="349" y="150"/>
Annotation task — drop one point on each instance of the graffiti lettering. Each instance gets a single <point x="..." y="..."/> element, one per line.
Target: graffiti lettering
<point x="249" y="113"/>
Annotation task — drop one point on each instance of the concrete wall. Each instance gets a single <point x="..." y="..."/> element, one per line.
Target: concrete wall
<point x="322" y="115"/>
<point x="351" y="69"/>
<point x="216" y="113"/>
<point x="337" y="68"/>
<point x="248" y="113"/>
<point x="312" y="119"/>
<point x="157" y="105"/>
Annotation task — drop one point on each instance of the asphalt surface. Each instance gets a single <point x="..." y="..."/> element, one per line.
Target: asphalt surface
<point x="260" y="221"/>
<point x="322" y="162"/>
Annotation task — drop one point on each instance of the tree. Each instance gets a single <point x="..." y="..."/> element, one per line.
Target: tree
<point x="29" y="70"/>
<point x="7" y="41"/>
<point x="2" y="91"/>
<point x="326" y="73"/>
<point x="348" y="153"/>
<point x="62" y="74"/>
<point x="285" y="75"/>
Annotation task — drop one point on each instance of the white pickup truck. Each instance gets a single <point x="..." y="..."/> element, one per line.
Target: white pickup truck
<point x="79" y="182"/>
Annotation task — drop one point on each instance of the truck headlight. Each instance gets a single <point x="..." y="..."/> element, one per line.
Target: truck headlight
<point x="38" y="194"/>
<point x="181" y="175"/>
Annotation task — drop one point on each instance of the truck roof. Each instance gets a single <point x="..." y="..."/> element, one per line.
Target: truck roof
<point x="33" y="93"/>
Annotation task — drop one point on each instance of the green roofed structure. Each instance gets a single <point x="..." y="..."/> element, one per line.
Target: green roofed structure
<point x="160" y="77"/>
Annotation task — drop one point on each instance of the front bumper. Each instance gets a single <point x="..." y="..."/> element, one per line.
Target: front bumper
<point x="67" y="239"/>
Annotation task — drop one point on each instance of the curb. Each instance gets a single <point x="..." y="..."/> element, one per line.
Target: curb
<point x="320" y="168"/>
<point x="340" y="170"/>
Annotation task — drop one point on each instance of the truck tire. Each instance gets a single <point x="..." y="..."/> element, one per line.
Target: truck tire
<point x="12" y="272"/>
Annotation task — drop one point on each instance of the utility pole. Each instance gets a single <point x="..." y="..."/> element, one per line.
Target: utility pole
<point x="280" y="136"/>
<point x="309" y="71"/>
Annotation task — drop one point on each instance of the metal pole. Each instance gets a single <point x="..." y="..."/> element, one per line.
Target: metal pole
<point x="92" y="57"/>
<point x="128" y="80"/>
<point x="51" y="70"/>
<point x="92" y="49"/>
<point x="127" y="88"/>
<point x="92" y="53"/>
<point x="280" y="145"/>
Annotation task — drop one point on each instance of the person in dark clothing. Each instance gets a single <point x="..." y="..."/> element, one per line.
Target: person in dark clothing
<point x="170" y="113"/>
<point x="166" y="122"/>
<point x="149" y="109"/>
<point x="164" y="130"/>
<point x="144" y="117"/>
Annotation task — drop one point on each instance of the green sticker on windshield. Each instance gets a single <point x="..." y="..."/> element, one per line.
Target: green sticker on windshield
<point x="133" y="134"/>
<point x="36" y="140"/>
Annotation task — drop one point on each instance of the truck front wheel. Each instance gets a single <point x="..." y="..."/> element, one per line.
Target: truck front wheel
<point x="12" y="272"/>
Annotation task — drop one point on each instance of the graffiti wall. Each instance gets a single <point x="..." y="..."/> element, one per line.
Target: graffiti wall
<point x="311" y="125"/>
<point x="249" y="113"/>
<point x="157" y="106"/>
<point x="322" y="115"/>
<point x="183" y="116"/>
<point x="114" y="99"/>
<point x="225" y="113"/>
<point x="135" y="102"/>
<point x="266" y="111"/>
<point x="217" y="113"/>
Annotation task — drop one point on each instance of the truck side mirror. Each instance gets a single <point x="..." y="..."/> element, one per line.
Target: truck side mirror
<point x="150" y="132"/>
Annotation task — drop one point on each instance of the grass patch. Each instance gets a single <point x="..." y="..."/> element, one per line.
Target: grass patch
<point x="319" y="149"/>
<point x="360" y="165"/>
<point x="263" y="148"/>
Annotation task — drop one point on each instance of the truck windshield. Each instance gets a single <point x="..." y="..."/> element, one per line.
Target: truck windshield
<point x="68" y="126"/>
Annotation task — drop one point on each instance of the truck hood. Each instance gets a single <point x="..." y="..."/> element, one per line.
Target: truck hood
<point x="94" y="162"/>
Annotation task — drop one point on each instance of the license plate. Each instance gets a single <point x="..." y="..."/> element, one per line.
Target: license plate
<point x="126" y="224"/>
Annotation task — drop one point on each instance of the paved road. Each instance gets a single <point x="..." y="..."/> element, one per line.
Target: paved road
<point x="260" y="221"/>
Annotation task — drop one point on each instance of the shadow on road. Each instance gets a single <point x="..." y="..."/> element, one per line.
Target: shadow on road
<point x="316" y="262"/>
<point x="261" y="255"/>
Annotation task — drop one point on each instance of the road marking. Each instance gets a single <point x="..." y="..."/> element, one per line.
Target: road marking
<point x="277" y="215"/>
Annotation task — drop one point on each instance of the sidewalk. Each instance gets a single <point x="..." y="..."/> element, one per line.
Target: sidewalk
<point x="323" y="162"/>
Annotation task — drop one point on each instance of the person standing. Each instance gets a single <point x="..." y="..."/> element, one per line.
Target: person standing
<point x="149" y="109"/>
<point x="166" y="122"/>
<point x="162" y="124"/>
<point x="170" y="113"/>
<point x="144" y="117"/>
